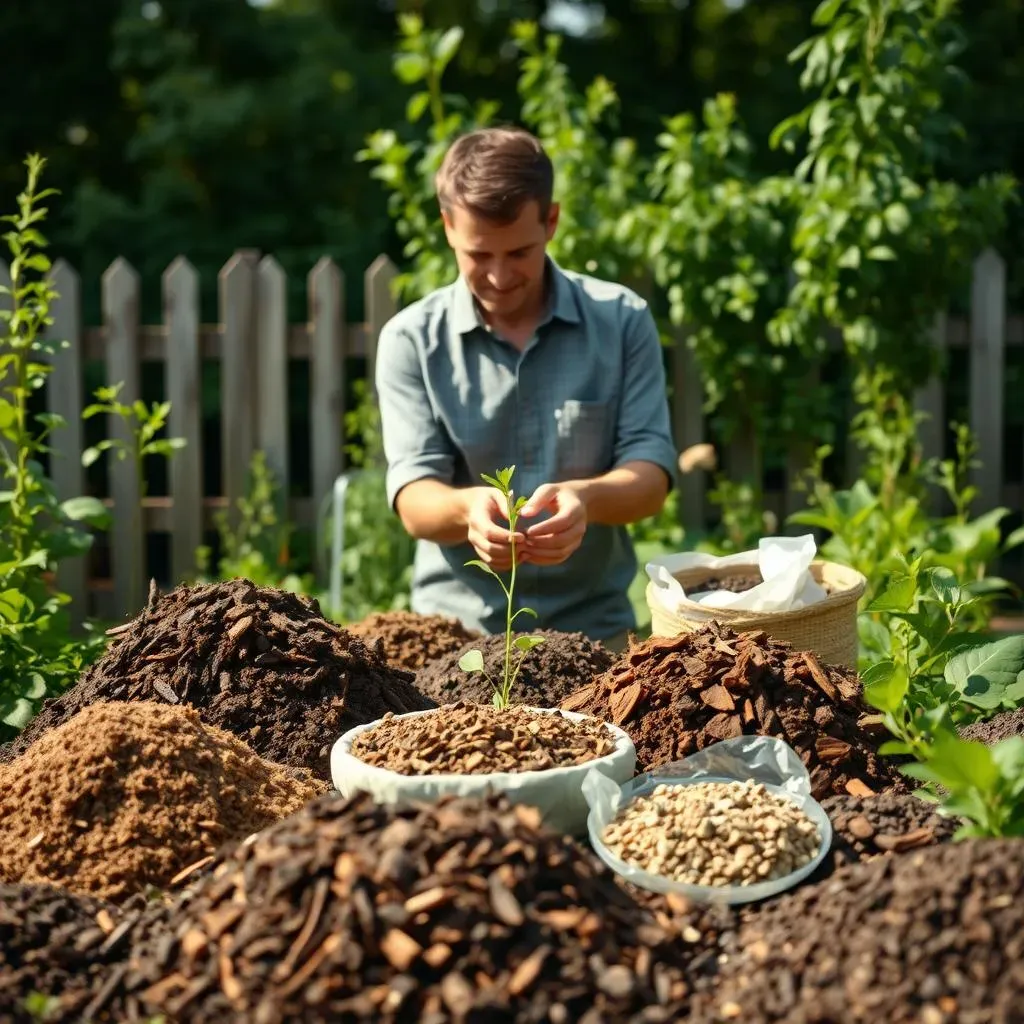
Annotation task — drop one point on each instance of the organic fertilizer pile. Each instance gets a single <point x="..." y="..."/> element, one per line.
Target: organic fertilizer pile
<point x="463" y="910"/>
<point x="57" y="945"/>
<point x="866" y="827"/>
<point x="261" y="663"/>
<point x="677" y="695"/>
<point x="124" y="796"/>
<point x="714" y="834"/>
<point x="549" y="672"/>
<point x="409" y="640"/>
<point x="934" y="936"/>
<point x="468" y="738"/>
<point x="1001" y="727"/>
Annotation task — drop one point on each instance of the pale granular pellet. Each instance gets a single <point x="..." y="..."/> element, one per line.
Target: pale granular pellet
<point x="714" y="834"/>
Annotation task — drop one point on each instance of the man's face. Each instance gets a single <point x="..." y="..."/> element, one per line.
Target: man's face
<point x="503" y="264"/>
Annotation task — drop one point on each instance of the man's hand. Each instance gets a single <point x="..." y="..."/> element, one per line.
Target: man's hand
<point x="492" y="541"/>
<point x="552" y="541"/>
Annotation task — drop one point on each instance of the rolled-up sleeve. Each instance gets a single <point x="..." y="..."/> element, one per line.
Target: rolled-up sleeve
<point x="416" y="446"/>
<point x="644" y="431"/>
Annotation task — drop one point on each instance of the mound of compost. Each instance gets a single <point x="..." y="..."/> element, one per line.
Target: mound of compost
<point x="677" y="695"/>
<point x="463" y="910"/>
<point x="934" y="936"/>
<point x="54" y="945"/>
<point x="866" y="827"/>
<point x="125" y="796"/>
<point x="549" y="672"/>
<point x="999" y="727"/>
<point x="409" y="640"/>
<point x="261" y="663"/>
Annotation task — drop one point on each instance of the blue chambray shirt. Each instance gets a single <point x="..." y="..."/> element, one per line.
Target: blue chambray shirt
<point x="586" y="394"/>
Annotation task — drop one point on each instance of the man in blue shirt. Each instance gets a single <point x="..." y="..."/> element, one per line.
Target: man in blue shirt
<point x="519" y="362"/>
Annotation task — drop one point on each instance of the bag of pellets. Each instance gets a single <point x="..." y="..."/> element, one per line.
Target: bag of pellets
<point x="733" y="823"/>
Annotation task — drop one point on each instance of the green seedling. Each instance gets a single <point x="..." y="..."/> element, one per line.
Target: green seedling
<point x="473" y="661"/>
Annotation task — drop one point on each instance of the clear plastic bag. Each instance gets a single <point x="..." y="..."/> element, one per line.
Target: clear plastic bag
<point x="764" y="759"/>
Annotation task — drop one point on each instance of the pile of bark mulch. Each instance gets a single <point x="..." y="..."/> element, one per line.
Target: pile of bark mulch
<point x="934" y="936"/>
<point x="876" y="826"/>
<point x="1000" y="727"/>
<point x="54" y="946"/>
<point x="261" y="663"/>
<point x="677" y="695"/>
<point x="409" y="640"/>
<point x="462" y="910"/>
<point x="125" y="796"/>
<point x="549" y="672"/>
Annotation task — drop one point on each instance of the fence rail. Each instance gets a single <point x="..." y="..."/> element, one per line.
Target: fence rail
<point x="254" y="341"/>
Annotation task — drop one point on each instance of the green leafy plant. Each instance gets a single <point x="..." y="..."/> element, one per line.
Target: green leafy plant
<point x="473" y="661"/>
<point x="38" y="655"/>
<point x="938" y="676"/>
<point x="258" y="546"/>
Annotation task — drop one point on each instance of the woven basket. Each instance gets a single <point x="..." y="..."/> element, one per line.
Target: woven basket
<point x="828" y="628"/>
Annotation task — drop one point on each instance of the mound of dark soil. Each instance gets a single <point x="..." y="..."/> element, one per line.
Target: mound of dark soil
<point x="410" y="641"/>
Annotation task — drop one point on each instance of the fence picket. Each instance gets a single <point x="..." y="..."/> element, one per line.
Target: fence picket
<point x="127" y="542"/>
<point x="326" y="386"/>
<point x="272" y="341"/>
<point x="380" y="307"/>
<point x="988" y="342"/>
<point x="184" y="392"/>
<point x="64" y="393"/>
<point x="237" y="281"/>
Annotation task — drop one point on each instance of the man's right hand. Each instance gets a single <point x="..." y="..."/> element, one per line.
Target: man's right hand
<point x="487" y="528"/>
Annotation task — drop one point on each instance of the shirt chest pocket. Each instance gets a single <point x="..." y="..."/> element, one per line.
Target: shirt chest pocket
<point x="584" y="438"/>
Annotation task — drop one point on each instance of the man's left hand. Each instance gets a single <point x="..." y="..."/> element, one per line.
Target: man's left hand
<point x="552" y="541"/>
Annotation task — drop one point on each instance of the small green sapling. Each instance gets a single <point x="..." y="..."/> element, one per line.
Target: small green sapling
<point x="473" y="661"/>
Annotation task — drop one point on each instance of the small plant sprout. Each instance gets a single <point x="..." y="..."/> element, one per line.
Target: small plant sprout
<point x="473" y="661"/>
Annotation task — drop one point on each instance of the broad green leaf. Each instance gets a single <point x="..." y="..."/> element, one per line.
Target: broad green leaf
<point x="898" y="595"/>
<point x="895" y="748"/>
<point x="20" y="714"/>
<point x="411" y="67"/>
<point x="885" y="686"/>
<point x="447" y="46"/>
<point x="472" y="661"/>
<point x="897" y="218"/>
<point x="1015" y="539"/>
<point x="1008" y="755"/>
<point x="881" y="252"/>
<point x="416" y="106"/>
<point x="527" y="643"/>
<point x="990" y="676"/>
<point x="37" y="559"/>
<point x="956" y="763"/>
<point x="36" y="687"/>
<point x="944" y="584"/>
<point x="86" y="509"/>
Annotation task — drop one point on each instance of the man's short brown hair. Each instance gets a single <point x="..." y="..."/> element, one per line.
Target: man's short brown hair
<point x="493" y="172"/>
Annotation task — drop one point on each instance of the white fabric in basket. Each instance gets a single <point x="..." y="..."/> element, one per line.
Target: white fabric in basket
<point x="556" y="792"/>
<point x="784" y="563"/>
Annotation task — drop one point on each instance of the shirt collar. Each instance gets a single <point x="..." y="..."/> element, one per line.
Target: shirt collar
<point x="466" y="317"/>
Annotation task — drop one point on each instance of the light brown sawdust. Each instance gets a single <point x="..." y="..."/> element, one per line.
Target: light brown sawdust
<point x="124" y="796"/>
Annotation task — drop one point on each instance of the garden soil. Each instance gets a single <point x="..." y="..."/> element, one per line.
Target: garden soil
<point x="877" y="826"/>
<point x="125" y="796"/>
<point x="57" y="944"/>
<point x="933" y="936"/>
<point x="409" y="640"/>
<point x="549" y="673"/>
<point x="261" y="663"/>
<point x="677" y="695"/>
<point x="463" y="910"/>
<point x="1000" y="727"/>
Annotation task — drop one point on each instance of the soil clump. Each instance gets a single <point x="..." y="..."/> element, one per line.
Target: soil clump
<point x="125" y="796"/>
<point x="875" y="826"/>
<point x="261" y="663"/>
<point x="677" y="695"/>
<point x="475" y="738"/>
<point x="999" y="727"/>
<point x="463" y="910"/>
<point x="409" y="640"/>
<point x="933" y="936"/>
<point x="549" y="673"/>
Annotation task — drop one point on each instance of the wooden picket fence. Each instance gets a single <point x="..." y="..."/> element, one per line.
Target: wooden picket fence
<point x="254" y="341"/>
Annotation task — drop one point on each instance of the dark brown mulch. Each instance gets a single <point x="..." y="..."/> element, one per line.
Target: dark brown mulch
<point x="263" y="664"/>
<point x="409" y="640"/>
